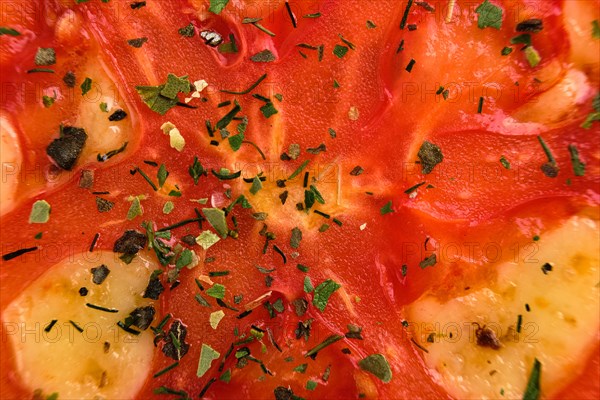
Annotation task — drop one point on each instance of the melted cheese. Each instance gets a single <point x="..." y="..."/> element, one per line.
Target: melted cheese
<point x="11" y="161"/>
<point x="559" y="329"/>
<point x="80" y="365"/>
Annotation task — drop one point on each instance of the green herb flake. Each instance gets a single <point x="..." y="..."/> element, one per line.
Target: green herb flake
<point x="216" y="218"/>
<point x="489" y="15"/>
<point x="524" y="38"/>
<point x="135" y="209"/>
<point x="532" y="56"/>
<point x="278" y="306"/>
<point x="48" y="101"/>
<point x="168" y="207"/>
<point x="377" y="365"/>
<point x="532" y="391"/>
<point x="298" y="170"/>
<point x="371" y="24"/>
<point x="311" y="385"/>
<point x="40" y="212"/>
<point x="268" y="110"/>
<point x="314" y="15"/>
<point x="104" y="107"/>
<point x="196" y="170"/>
<point x="593" y="116"/>
<point x="340" y="51"/>
<point x="301" y="368"/>
<point x="303" y="268"/>
<point x="323" y="292"/>
<point x="216" y="6"/>
<point x="217" y="291"/>
<point x="327" y="342"/>
<point x="207" y="239"/>
<point x="480" y="105"/>
<point x="215" y="318"/>
<point x="207" y="356"/>
<point x="256" y="185"/>
<point x="595" y="29"/>
<point x="506" y="51"/>
<point x="162" y="98"/>
<point x="308" y="286"/>
<point x="4" y="30"/>
<point x="296" y="238"/>
<point x="505" y="163"/>
<point x="578" y="166"/>
<point x="428" y="261"/>
<point x="187" y="31"/>
<point x="236" y="141"/>
<point x="86" y="86"/>
<point x="387" y="208"/>
<point x="226" y="376"/>
<point x="162" y="175"/>
<point x="175" y="85"/>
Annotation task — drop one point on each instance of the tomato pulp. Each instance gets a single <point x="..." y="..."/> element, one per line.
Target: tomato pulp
<point x="360" y="119"/>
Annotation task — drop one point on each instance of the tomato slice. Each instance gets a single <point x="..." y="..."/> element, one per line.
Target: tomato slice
<point x="363" y="110"/>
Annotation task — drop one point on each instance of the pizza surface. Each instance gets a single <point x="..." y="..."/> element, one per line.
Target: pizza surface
<point x="306" y="199"/>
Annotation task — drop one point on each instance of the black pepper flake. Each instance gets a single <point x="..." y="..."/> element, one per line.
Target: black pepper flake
<point x="300" y="306"/>
<point x="104" y="205"/>
<point x="550" y="169"/>
<point x="269" y="280"/>
<point x="316" y="150"/>
<point x="131" y="242"/>
<point x="142" y="317"/>
<point x="346" y="350"/>
<point x="190" y="240"/>
<point x="137" y="42"/>
<point x="425" y="5"/>
<point x="354" y="332"/>
<point x="546" y="268"/>
<point x="45" y="56"/>
<point x="66" y="149"/>
<point x="356" y="171"/>
<point x="487" y="338"/>
<point x="99" y="274"/>
<point x="533" y="25"/>
<point x="155" y="287"/>
<point x="264" y="56"/>
<point x="69" y="79"/>
<point x="283" y="197"/>
<point x="430" y="156"/>
<point x="83" y="291"/>
<point x="303" y="329"/>
<point x="412" y="27"/>
<point x="86" y="180"/>
<point x="283" y="393"/>
<point x="410" y="65"/>
<point x="175" y="346"/>
<point x="117" y="115"/>
<point x="137" y="4"/>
